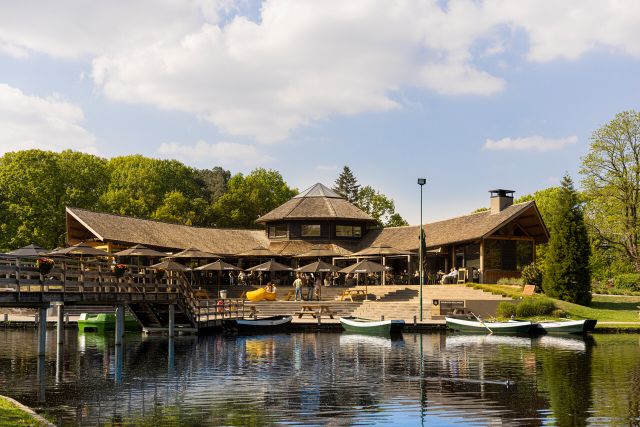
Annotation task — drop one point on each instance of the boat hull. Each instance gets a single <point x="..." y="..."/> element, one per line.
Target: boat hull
<point x="264" y="325"/>
<point x="566" y="327"/>
<point x="104" y="322"/>
<point x="371" y="327"/>
<point x="463" y="325"/>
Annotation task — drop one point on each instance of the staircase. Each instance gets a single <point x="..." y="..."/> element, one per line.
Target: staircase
<point x="403" y="302"/>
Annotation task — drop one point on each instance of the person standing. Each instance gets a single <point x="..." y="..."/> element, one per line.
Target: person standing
<point x="317" y="285"/>
<point x="297" y="284"/>
<point x="310" y="286"/>
<point x="232" y="279"/>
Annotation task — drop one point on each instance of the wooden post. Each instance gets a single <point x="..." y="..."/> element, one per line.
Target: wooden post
<point x="42" y="330"/>
<point x="172" y="313"/>
<point x="384" y="273"/>
<point x="481" y="279"/>
<point x="60" y="326"/>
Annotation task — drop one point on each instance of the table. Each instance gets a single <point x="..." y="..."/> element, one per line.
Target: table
<point x="315" y="311"/>
<point x="350" y="293"/>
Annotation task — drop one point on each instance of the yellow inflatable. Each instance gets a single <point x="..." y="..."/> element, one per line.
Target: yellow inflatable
<point x="261" y="294"/>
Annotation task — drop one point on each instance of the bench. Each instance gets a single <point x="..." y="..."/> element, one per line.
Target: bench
<point x="350" y="293"/>
<point x="315" y="311"/>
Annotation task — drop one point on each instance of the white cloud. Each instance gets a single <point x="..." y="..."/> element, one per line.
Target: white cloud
<point x="530" y="143"/>
<point x="304" y="61"/>
<point x="28" y="122"/>
<point x="223" y="153"/>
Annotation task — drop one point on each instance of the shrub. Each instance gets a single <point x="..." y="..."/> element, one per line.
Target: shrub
<point x="535" y="307"/>
<point x="629" y="281"/>
<point x="532" y="275"/>
<point x="513" y="281"/>
<point x="559" y="313"/>
<point x="506" y="309"/>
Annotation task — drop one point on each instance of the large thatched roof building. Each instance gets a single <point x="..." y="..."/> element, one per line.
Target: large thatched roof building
<point x="498" y="242"/>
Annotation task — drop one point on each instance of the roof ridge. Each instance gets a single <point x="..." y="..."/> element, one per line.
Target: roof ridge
<point x="330" y="206"/>
<point x="157" y="221"/>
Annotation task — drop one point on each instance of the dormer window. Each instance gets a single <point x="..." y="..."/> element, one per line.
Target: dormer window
<point x="278" y="231"/>
<point x="310" y="230"/>
<point x="348" y="231"/>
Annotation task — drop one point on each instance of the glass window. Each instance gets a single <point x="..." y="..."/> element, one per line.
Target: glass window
<point x="507" y="254"/>
<point x="348" y="231"/>
<point x="276" y="231"/>
<point x="311" y="230"/>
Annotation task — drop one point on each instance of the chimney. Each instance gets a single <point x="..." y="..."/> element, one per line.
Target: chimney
<point x="500" y="200"/>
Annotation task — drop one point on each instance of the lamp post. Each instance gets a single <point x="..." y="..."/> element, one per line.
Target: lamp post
<point x="421" y="183"/>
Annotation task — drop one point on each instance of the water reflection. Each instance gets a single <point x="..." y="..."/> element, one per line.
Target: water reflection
<point x="315" y="378"/>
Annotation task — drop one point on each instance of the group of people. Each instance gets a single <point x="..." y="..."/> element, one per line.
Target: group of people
<point x="312" y="283"/>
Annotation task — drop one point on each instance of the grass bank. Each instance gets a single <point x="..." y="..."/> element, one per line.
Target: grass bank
<point x="12" y="415"/>
<point x="609" y="310"/>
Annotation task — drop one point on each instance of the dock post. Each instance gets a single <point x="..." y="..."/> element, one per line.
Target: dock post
<point x="172" y="322"/>
<point x="42" y="330"/>
<point x="60" y="331"/>
<point x="319" y="319"/>
<point x="414" y="320"/>
<point x="119" y="324"/>
<point x="382" y="317"/>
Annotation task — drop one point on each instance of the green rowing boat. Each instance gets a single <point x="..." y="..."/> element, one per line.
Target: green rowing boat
<point x="372" y="327"/>
<point x="102" y="322"/>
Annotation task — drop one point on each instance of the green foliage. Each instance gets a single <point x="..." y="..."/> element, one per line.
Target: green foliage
<point x="248" y="198"/>
<point x="11" y="415"/>
<point x="629" y="281"/>
<point x="611" y="182"/>
<point x="512" y="281"/>
<point x="532" y="275"/>
<point x="530" y="307"/>
<point x="567" y="274"/>
<point x="380" y="207"/>
<point x="347" y="185"/>
<point x="213" y="182"/>
<point x="506" y="309"/>
<point x="177" y="208"/>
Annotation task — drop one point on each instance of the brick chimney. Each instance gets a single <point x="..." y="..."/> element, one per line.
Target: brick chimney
<point x="500" y="200"/>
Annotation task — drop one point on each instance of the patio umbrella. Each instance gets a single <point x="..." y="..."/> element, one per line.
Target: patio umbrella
<point x="141" y="251"/>
<point x="270" y="266"/>
<point x="30" y="251"/>
<point x="318" y="253"/>
<point x="194" y="253"/>
<point x="81" y="249"/>
<point x="219" y="266"/>
<point x="365" y="266"/>
<point x="169" y="265"/>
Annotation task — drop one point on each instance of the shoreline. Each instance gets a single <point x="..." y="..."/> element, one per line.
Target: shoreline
<point x="38" y="420"/>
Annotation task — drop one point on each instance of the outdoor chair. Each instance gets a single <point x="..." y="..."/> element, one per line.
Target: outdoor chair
<point x="462" y="275"/>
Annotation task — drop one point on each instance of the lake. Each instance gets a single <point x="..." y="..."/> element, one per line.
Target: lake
<point x="326" y="379"/>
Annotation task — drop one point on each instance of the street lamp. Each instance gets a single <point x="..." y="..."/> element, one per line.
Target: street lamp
<point x="421" y="183"/>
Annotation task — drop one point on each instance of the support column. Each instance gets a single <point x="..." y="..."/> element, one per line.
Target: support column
<point x="60" y="329"/>
<point x="119" y="324"/>
<point x="172" y="315"/>
<point x="384" y="273"/>
<point x="42" y="330"/>
<point x="481" y="280"/>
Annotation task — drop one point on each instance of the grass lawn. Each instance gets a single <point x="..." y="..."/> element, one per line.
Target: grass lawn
<point x="11" y="415"/>
<point x="603" y="308"/>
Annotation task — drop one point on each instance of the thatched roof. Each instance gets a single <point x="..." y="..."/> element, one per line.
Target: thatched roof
<point x="460" y="229"/>
<point x="316" y="202"/>
<point x="85" y="225"/>
<point x="288" y="248"/>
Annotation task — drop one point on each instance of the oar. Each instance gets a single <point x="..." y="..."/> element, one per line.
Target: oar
<point x="481" y="322"/>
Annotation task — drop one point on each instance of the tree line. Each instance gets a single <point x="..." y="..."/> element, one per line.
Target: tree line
<point x="37" y="185"/>
<point x="595" y="232"/>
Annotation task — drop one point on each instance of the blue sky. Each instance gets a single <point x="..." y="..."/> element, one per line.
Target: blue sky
<point x="472" y="95"/>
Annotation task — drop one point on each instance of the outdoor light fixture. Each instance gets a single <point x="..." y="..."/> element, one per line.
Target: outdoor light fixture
<point x="421" y="182"/>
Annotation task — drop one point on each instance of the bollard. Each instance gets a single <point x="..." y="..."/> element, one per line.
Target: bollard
<point x="319" y="321"/>
<point x="415" y="322"/>
<point x="382" y="317"/>
<point x="6" y="318"/>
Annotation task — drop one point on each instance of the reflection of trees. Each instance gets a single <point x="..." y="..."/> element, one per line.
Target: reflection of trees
<point x="566" y="377"/>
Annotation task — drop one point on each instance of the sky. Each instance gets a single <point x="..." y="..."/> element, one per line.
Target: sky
<point x="471" y="95"/>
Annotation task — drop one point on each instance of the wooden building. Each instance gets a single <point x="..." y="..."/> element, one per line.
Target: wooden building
<point x="498" y="242"/>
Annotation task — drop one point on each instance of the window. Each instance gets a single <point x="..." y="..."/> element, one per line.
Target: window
<point x="348" y="231"/>
<point x="278" y="231"/>
<point x="311" y="230"/>
<point x="507" y="254"/>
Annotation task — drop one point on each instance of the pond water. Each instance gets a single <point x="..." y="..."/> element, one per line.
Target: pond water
<point x="326" y="379"/>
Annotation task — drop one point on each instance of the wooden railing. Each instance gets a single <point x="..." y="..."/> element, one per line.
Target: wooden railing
<point x="69" y="276"/>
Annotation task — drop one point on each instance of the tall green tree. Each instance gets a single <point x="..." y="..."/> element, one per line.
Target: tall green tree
<point x="249" y="197"/>
<point x="347" y="185"/>
<point x="213" y="182"/>
<point x="179" y="209"/>
<point x="566" y="273"/>
<point x="611" y="182"/>
<point x="380" y="207"/>
<point x="138" y="184"/>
